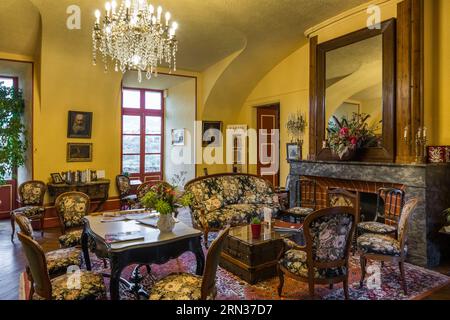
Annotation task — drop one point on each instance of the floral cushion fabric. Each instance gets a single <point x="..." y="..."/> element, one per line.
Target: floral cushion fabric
<point x="59" y="260"/>
<point x="31" y="193"/>
<point x="230" y="195"/>
<point x="90" y="286"/>
<point x="235" y="214"/>
<point x="73" y="208"/>
<point x="375" y="227"/>
<point x="71" y="239"/>
<point x="330" y="235"/>
<point x="181" y="286"/>
<point x="30" y="211"/>
<point x="123" y="184"/>
<point x="379" y="244"/>
<point x="296" y="262"/>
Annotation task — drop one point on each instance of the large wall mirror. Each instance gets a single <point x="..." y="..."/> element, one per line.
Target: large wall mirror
<point x="356" y="77"/>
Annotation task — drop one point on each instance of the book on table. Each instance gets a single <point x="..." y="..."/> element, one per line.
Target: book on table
<point x="282" y="226"/>
<point x="124" y="236"/>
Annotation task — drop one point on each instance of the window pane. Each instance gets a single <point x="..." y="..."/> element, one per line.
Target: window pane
<point x="131" y="144"/>
<point x="152" y="163"/>
<point x="153" y="125"/>
<point x="7" y="82"/>
<point x="132" y="99"/>
<point x="153" y="100"/>
<point x="131" y="125"/>
<point x="131" y="164"/>
<point x="153" y="144"/>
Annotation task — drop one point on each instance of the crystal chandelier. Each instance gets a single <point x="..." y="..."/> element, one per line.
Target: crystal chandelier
<point x="133" y="36"/>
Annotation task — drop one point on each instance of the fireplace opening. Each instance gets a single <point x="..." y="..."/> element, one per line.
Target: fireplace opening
<point x="368" y="203"/>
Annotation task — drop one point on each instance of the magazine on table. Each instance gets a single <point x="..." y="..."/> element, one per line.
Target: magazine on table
<point x="124" y="236"/>
<point x="282" y="226"/>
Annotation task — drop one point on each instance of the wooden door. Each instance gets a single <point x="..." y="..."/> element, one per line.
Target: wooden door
<point x="268" y="118"/>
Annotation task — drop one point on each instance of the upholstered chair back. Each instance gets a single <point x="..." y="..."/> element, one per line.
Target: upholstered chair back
<point x="212" y="261"/>
<point x="37" y="266"/>
<point x="71" y="208"/>
<point x="25" y="225"/>
<point x="144" y="188"/>
<point x="407" y="212"/>
<point x="328" y="235"/>
<point x="31" y="193"/>
<point x="123" y="185"/>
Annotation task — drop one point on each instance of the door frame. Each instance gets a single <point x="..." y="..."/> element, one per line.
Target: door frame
<point x="272" y="106"/>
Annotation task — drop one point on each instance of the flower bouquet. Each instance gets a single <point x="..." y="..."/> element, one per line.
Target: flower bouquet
<point x="345" y="137"/>
<point x="165" y="199"/>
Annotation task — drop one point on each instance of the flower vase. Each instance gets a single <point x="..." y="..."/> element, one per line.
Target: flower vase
<point x="347" y="155"/>
<point x="166" y="223"/>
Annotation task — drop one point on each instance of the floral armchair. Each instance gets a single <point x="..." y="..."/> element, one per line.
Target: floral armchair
<point x="71" y="208"/>
<point x="31" y="194"/>
<point x="127" y="200"/>
<point x="229" y="199"/>
<point x="324" y="258"/>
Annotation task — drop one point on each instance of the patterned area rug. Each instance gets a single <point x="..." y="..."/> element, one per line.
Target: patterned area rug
<point x="421" y="283"/>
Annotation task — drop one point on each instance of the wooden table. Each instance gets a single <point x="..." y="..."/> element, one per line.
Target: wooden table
<point x="96" y="190"/>
<point x="251" y="259"/>
<point x="156" y="247"/>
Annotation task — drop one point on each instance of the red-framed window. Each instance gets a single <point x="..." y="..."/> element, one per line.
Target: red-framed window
<point x="10" y="82"/>
<point x="142" y="133"/>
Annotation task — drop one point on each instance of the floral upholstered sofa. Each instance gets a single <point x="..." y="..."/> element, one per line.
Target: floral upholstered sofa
<point x="229" y="199"/>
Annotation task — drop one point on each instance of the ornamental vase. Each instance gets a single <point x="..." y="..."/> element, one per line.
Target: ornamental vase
<point x="166" y="223"/>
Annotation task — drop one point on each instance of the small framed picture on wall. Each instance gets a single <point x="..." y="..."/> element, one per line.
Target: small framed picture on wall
<point x="212" y="133"/>
<point x="57" y="178"/>
<point x="178" y="137"/>
<point x="80" y="125"/>
<point x="79" y="152"/>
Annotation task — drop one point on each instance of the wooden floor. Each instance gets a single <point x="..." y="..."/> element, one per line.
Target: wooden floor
<point x="12" y="261"/>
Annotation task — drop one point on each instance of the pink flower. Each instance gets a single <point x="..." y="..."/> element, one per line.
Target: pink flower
<point x="344" y="131"/>
<point x="353" y="141"/>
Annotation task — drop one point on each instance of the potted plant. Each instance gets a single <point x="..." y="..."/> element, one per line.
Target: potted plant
<point x="256" y="228"/>
<point x="296" y="127"/>
<point x="345" y="137"/>
<point x="165" y="199"/>
<point x="12" y="131"/>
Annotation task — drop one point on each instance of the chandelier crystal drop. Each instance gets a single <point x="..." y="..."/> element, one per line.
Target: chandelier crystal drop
<point x="135" y="36"/>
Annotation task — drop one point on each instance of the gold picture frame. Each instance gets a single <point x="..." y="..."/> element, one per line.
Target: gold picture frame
<point x="79" y="152"/>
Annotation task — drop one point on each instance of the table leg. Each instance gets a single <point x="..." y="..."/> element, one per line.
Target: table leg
<point x="85" y="248"/>
<point x="116" y="271"/>
<point x="200" y="257"/>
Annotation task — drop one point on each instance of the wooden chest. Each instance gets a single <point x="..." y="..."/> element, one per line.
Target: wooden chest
<point x="250" y="259"/>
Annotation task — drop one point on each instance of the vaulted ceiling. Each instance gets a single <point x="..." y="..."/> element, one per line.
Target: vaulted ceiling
<point x="265" y="31"/>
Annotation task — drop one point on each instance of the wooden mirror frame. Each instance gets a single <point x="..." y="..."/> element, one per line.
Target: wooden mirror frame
<point x="385" y="153"/>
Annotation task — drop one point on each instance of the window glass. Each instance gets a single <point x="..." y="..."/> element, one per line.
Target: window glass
<point x="153" y="125"/>
<point x="132" y="99"/>
<point x="152" y="163"/>
<point x="153" y="100"/>
<point x="153" y="144"/>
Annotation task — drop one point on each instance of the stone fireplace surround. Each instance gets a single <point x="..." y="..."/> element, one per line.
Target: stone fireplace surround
<point x="430" y="183"/>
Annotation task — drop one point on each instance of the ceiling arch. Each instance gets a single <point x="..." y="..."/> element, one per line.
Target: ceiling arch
<point x="20" y="27"/>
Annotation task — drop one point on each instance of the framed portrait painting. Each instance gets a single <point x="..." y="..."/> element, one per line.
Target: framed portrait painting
<point x="57" y="178"/>
<point x="79" y="125"/>
<point x="178" y="137"/>
<point x="212" y="133"/>
<point x="79" y="152"/>
<point x="294" y="151"/>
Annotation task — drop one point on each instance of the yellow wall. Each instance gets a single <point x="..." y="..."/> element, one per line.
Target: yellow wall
<point x="288" y="82"/>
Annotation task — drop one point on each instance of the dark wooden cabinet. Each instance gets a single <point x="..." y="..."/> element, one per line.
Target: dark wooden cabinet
<point x="96" y="190"/>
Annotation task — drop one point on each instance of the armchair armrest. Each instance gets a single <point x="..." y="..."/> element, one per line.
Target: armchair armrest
<point x="290" y="245"/>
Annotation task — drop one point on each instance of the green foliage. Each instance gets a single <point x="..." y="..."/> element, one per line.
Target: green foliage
<point x="256" y="220"/>
<point x="13" y="143"/>
<point x="164" y="198"/>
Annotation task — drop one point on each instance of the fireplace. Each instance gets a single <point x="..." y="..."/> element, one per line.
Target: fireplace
<point x="429" y="183"/>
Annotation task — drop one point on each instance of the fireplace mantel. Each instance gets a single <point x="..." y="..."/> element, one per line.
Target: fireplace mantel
<point x="429" y="182"/>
